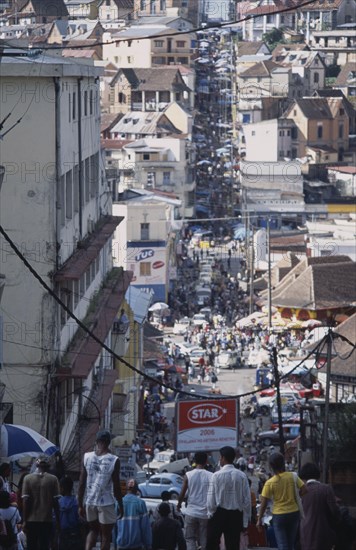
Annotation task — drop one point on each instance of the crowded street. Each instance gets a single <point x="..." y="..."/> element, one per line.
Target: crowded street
<point x="177" y="348"/>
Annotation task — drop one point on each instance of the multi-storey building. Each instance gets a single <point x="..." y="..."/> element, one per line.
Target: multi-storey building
<point x="56" y="208"/>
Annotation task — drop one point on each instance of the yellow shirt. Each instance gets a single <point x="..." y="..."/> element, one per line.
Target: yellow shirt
<point x="281" y="489"/>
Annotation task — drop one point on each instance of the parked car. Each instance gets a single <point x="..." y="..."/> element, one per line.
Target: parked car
<point x="290" y="414"/>
<point x="165" y="462"/>
<point x="181" y="325"/>
<point x="158" y="483"/>
<point x="271" y="437"/>
<point x="203" y="296"/>
<point x="195" y="355"/>
<point x="227" y="359"/>
<point x="206" y="311"/>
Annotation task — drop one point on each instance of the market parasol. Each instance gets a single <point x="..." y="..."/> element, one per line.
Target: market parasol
<point x="19" y="441"/>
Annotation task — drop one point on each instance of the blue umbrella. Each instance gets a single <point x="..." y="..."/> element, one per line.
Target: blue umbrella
<point x="19" y="441"/>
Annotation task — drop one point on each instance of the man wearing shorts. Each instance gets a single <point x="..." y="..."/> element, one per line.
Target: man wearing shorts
<point x="100" y="480"/>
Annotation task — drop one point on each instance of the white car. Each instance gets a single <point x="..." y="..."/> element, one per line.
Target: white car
<point x="163" y="463"/>
<point x="199" y="320"/>
<point x="227" y="359"/>
<point x="181" y="325"/>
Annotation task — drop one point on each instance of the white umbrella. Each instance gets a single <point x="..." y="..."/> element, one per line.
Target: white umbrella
<point x="159" y="306"/>
<point x="19" y="441"/>
<point x="201" y="162"/>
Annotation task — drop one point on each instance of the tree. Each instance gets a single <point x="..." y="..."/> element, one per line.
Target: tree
<point x="273" y="37"/>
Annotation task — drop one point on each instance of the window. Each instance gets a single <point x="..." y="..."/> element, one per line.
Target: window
<point x="294" y="153"/>
<point x="145" y="231"/>
<point x="146" y="156"/>
<point x="91" y="102"/>
<point x="87" y="179"/>
<point x="87" y="278"/>
<point x="94" y="174"/>
<point x="145" y="269"/>
<point x="166" y="481"/>
<point x="341" y="112"/>
<point x="316" y="78"/>
<point x="74" y="106"/>
<point x="320" y="130"/>
<point x="129" y="59"/>
<point x="341" y="130"/>
<point x="253" y="133"/>
<point x="61" y="200"/>
<point x="158" y="43"/>
<point x="85" y="103"/>
<point x="294" y="133"/>
<point x="66" y="297"/>
<point x="180" y="43"/>
<point x="82" y="286"/>
<point x="76" y="188"/>
<point x="75" y="293"/>
<point x="151" y="179"/>
<point x="166" y="178"/>
<point x="295" y="112"/>
<point x="69" y="195"/>
<point x="122" y="97"/>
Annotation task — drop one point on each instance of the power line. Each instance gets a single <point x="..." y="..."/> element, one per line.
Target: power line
<point x="204" y="28"/>
<point x="102" y="344"/>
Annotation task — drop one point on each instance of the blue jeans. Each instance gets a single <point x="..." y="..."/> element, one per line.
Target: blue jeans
<point x="285" y="529"/>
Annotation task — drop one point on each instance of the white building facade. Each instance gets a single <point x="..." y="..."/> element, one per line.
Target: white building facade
<point x="56" y="207"/>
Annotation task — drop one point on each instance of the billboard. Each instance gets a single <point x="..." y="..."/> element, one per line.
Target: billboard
<point x="206" y="425"/>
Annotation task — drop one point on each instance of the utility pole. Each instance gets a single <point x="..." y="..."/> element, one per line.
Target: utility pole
<point x="327" y="406"/>
<point x="252" y="269"/>
<point x="269" y="275"/>
<point x="279" y="402"/>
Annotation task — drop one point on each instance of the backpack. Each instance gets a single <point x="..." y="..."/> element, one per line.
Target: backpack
<point x="10" y="538"/>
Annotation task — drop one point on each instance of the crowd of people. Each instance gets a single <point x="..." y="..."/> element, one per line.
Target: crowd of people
<point x="219" y="509"/>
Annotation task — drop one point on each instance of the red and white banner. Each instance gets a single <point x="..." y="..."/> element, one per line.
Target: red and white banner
<point x="206" y="425"/>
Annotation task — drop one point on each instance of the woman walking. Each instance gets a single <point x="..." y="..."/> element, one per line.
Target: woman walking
<point x="284" y="488"/>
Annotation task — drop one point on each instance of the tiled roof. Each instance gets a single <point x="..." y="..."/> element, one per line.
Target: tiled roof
<point x="272" y="8"/>
<point x="260" y="69"/>
<point x="283" y="49"/>
<point x="83" y="53"/>
<point x="313" y="108"/>
<point x="322" y="5"/>
<point x="343" y="169"/>
<point x="116" y="144"/>
<point x="250" y="48"/>
<point x="155" y="78"/>
<point x="344" y="364"/>
<point x="44" y="8"/>
<point x="301" y="267"/>
<point x="347" y="73"/>
<point x="322" y="285"/>
<point x="295" y="58"/>
<point x="108" y="120"/>
<point x="144" y="123"/>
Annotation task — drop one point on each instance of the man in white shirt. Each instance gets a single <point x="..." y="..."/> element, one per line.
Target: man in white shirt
<point x="100" y="482"/>
<point x="229" y="503"/>
<point x="196" y="484"/>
